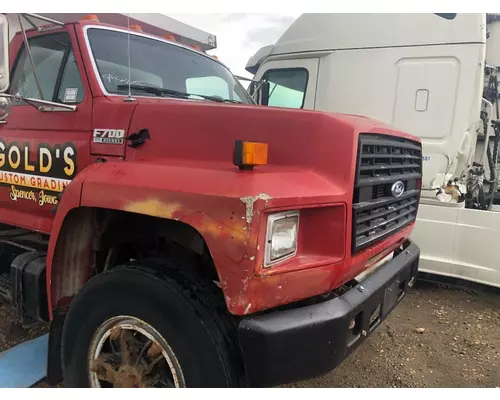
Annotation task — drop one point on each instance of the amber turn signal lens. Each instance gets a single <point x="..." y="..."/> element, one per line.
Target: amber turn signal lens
<point x="249" y="154"/>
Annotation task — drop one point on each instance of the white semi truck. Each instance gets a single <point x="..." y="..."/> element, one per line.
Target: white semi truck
<point x="434" y="75"/>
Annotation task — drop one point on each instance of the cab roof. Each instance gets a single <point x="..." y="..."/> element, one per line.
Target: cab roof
<point x="329" y="32"/>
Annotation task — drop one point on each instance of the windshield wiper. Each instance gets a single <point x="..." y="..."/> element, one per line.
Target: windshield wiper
<point x="232" y="101"/>
<point x="154" y="90"/>
<point x="175" y="93"/>
<point x="218" y="98"/>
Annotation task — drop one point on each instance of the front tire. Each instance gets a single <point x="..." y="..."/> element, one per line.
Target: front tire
<point x="158" y="325"/>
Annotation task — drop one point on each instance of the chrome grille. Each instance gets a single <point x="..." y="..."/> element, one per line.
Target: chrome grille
<point x="382" y="161"/>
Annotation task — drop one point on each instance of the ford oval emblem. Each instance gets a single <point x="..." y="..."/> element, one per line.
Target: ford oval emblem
<point x="397" y="189"/>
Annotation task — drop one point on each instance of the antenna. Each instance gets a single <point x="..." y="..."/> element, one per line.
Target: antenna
<point x="129" y="98"/>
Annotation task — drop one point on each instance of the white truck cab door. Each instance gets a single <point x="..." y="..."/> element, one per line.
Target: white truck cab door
<point x="292" y="82"/>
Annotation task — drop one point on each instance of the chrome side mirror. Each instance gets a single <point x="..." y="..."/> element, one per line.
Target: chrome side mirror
<point x="259" y="92"/>
<point x="4" y="54"/>
<point x="5" y="107"/>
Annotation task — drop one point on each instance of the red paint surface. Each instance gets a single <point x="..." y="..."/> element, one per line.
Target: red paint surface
<point x="185" y="172"/>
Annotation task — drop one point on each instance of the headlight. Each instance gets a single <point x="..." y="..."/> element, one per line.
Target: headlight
<point x="281" y="236"/>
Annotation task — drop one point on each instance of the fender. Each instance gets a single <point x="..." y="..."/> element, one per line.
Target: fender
<point x="201" y="197"/>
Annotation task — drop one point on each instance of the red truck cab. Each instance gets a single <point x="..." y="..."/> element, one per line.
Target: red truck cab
<point x="131" y="221"/>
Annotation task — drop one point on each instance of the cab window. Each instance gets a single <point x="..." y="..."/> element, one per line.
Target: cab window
<point x="70" y="89"/>
<point x="287" y="87"/>
<point x="56" y="70"/>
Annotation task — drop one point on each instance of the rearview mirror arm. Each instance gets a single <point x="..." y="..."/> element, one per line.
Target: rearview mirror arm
<point x="30" y="56"/>
<point x="44" y="105"/>
<point x="242" y="78"/>
<point x="33" y="25"/>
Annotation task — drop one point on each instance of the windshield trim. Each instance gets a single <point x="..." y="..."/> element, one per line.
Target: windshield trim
<point x="122" y="30"/>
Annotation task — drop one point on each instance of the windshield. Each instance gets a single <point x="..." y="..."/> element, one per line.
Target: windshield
<point x="157" y="64"/>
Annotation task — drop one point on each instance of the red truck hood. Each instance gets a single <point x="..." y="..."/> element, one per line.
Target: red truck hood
<point x="204" y="132"/>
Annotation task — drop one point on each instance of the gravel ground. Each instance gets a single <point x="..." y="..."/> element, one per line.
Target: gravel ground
<point x="6" y="316"/>
<point x="435" y="338"/>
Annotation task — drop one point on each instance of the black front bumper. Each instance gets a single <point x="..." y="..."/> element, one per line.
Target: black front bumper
<point x="301" y="343"/>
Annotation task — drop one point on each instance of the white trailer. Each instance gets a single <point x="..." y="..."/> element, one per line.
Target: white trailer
<point x="422" y="73"/>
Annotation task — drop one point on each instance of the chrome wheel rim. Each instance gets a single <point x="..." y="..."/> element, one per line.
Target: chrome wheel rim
<point x="128" y="352"/>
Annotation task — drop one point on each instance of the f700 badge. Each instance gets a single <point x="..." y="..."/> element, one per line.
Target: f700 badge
<point x="109" y="136"/>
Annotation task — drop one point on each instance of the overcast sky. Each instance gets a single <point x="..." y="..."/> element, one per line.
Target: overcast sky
<point x="239" y="36"/>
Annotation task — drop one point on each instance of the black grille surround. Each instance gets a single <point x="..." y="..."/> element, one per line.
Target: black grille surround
<point x="383" y="160"/>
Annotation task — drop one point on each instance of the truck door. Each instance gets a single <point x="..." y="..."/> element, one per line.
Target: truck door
<point x="42" y="151"/>
<point x="292" y="82"/>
